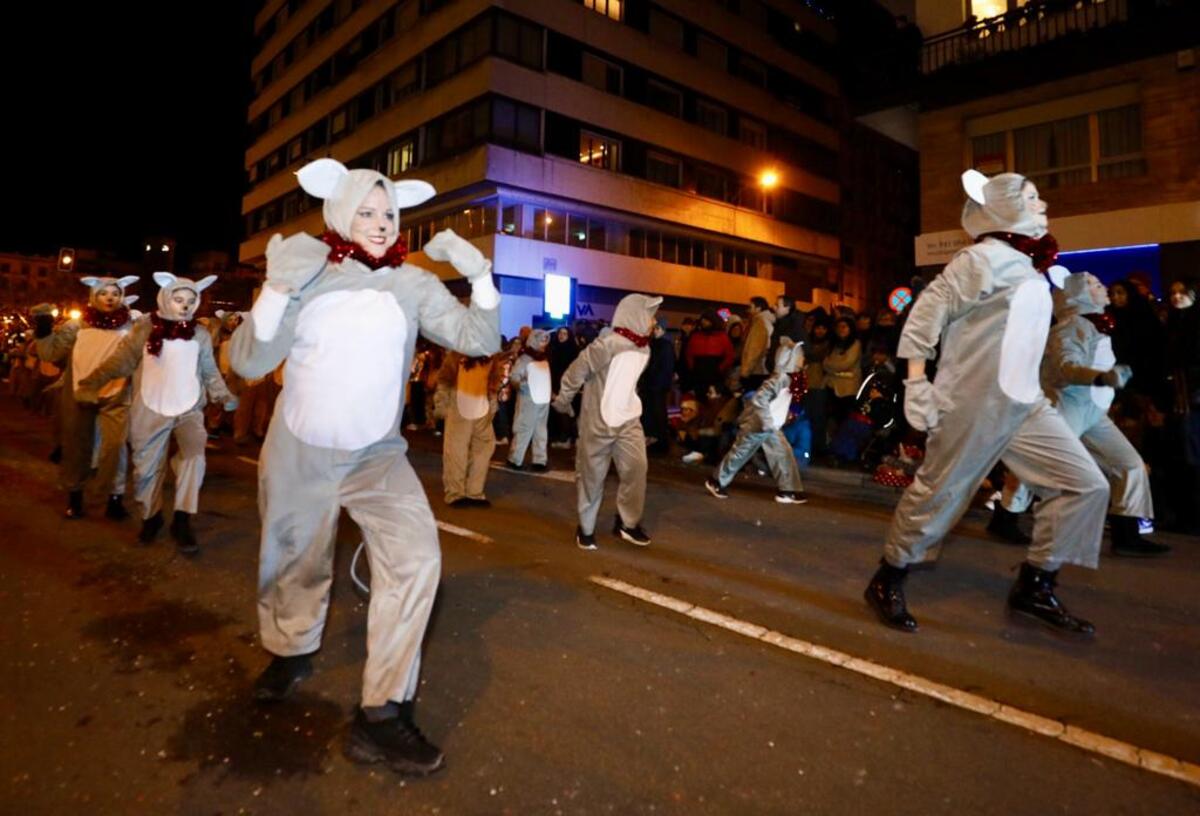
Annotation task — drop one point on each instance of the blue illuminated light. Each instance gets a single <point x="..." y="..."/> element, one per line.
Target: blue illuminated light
<point x="1129" y="248"/>
<point x="557" y="296"/>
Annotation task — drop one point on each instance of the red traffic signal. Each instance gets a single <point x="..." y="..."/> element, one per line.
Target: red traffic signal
<point x="66" y="260"/>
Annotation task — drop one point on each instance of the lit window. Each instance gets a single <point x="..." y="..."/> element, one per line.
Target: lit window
<point x="400" y="157"/>
<point x="609" y="8"/>
<point x="598" y="151"/>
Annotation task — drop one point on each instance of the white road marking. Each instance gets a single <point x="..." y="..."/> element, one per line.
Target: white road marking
<point x="555" y="475"/>
<point x="463" y="532"/>
<point x="1087" y="740"/>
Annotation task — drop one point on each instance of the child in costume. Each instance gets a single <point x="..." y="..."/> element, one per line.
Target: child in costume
<point x="530" y="375"/>
<point x="471" y="385"/>
<point x="170" y="357"/>
<point x="610" y="428"/>
<point x="92" y="432"/>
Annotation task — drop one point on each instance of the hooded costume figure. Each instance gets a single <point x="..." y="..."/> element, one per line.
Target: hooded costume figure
<point x="93" y="433"/>
<point x="471" y="385"/>
<point x="174" y="376"/>
<point x="346" y="323"/>
<point x="990" y="311"/>
<point x="1080" y="374"/>
<point x="760" y="426"/>
<point x="531" y="376"/>
<point x="610" y="427"/>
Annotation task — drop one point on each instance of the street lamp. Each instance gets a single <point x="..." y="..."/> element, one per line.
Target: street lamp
<point x="767" y="180"/>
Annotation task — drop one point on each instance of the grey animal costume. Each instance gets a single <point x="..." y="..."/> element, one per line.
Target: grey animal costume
<point x="170" y="390"/>
<point x="1080" y="374"/>
<point x="610" y="428"/>
<point x="990" y="311"/>
<point x="761" y="422"/>
<point x="531" y="377"/>
<point x="348" y="332"/>
<point x="92" y="433"/>
<point x="468" y="440"/>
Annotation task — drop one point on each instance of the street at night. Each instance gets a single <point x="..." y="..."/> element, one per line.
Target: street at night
<point x="126" y="670"/>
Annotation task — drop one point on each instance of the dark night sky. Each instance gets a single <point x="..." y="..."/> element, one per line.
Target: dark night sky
<point x="123" y="126"/>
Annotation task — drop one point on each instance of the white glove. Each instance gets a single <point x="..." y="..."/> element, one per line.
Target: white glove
<point x="1117" y="376"/>
<point x="920" y="404"/>
<point x="460" y="253"/>
<point x="293" y="262"/>
<point x="563" y="408"/>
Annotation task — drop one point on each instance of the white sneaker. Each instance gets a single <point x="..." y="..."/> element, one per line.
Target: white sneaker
<point x="693" y="457"/>
<point x="1145" y="526"/>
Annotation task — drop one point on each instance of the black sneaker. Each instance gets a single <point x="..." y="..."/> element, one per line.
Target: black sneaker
<point x="714" y="487"/>
<point x="634" y="535"/>
<point x="115" y="510"/>
<point x="791" y="497"/>
<point x="280" y="678"/>
<point x="150" y="528"/>
<point x="181" y="531"/>
<point x="395" y="741"/>
<point x="511" y="465"/>
<point x="479" y="502"/>
<point x="585" y="541"/>
<point x="539" y="467"/>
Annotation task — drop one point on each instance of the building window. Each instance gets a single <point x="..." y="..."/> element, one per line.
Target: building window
<point x="510" y="219"/>
<point x="752" y="133"/>
<point x="1054" y="154"/>
<point x="516" y="125"/>
<point x="599" y="151"/>
<point x="666" y="29"/>
<point x="663" y="169"/>
<point x="711" y="183"/>
<point x="577" y="230"/>
<point x="990" y="153"/>
<point x="664" y="98"/>
<point x="712" y="53"/>
<point x="609" y="8"/>
<point x="338" y="124"/>
<point x="601" y="74"/>
<point x="519" y="41"/>
<point x="712" y="117"/>
<point x="1120" y="131"/>
<point x="401" y="157"/>
<point x="403" y="82"/>
<point x="751" y="70"/>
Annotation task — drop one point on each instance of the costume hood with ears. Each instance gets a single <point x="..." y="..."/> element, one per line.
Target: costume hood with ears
<point x="787" y="358"/>
<point x="635" y="313"/>
<point x="97" y="284"/>
<point x="996" y="205"/>
<point x="343" y="191"/>
<point x="169" y="284"/>
<point x="1075" y="297"/>
<point x="537" y="340"/>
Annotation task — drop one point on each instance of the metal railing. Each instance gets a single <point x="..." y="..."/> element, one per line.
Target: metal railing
<point x="1037" y="23"/>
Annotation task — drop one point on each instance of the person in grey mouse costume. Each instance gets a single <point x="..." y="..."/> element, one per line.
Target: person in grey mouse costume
<point x="990" y="311"/>
<point x="344" y="311"/>
<point x="1081" y="374"/>
<point x="92" y="432"/>
<point x="531" y="376"/>
<point x="610" y="428"/>
<point x="174" y="376"/>
<point x="760" y="426"/>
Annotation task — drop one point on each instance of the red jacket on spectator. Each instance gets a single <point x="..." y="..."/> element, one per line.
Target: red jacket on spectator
<point x="712" y="343"/>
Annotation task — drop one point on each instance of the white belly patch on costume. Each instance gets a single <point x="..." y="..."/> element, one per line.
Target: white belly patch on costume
<point x="620" y="402"/>
<point x="471" y="391"/>
<point x="538" y="374"/>
<point x="92" y="347"/>
<point x="171" y="380"/>
<point x="345" y="369"/>
<point x="1024" y="340"/>
<point x="1103" y="360"/>
<point x="779" y="407"/>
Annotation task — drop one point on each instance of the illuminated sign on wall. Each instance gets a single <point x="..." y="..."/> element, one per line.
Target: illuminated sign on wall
<point x="556" y="296"/>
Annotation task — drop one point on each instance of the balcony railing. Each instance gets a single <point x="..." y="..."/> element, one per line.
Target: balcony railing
<point x="1037" y="23"/>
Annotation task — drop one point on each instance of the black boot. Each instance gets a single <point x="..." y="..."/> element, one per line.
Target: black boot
<point x="281" y="676"/>
<point x="181" y="531"/>
<point x="74" y="505"/>
<point x="1128" y="541"/>
<point x="1004" y="527"/>
<point x="150" y="528"/>
<point x="396" y="741"/>
<point x="885" y="594"/>
<point x="115" y="510"/>
<point x="1033" y="596"/>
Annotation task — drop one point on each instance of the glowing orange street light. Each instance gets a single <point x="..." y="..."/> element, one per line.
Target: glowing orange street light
<point x="769" y="179"/>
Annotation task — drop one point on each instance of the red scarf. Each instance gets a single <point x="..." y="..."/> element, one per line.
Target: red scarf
<point x="798" y="386"/>
<point x="96" y="319"/>
<point x="1043" y="251"/>
<point x="162" y="329"/>
<point x="340" y="249"/>
<point x="1103" y="322"/>
<point x="639" y="340"/>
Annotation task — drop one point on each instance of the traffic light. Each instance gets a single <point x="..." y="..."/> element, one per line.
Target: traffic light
<point x="66" y="260"/>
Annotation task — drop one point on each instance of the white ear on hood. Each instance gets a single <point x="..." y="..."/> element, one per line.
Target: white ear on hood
<point x="411" y="192"/>
<point x="205" y="282"/>
<point x="89" y="281"/>
<point x="973" y="182"/>
<point x="131" y="299"/>
<point x="1058" y="275"/>
<point x="128" y="280"/>
<point x="319" y="178"/>
<point x="163" y="279"/>
<point x="652" y="304"/>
